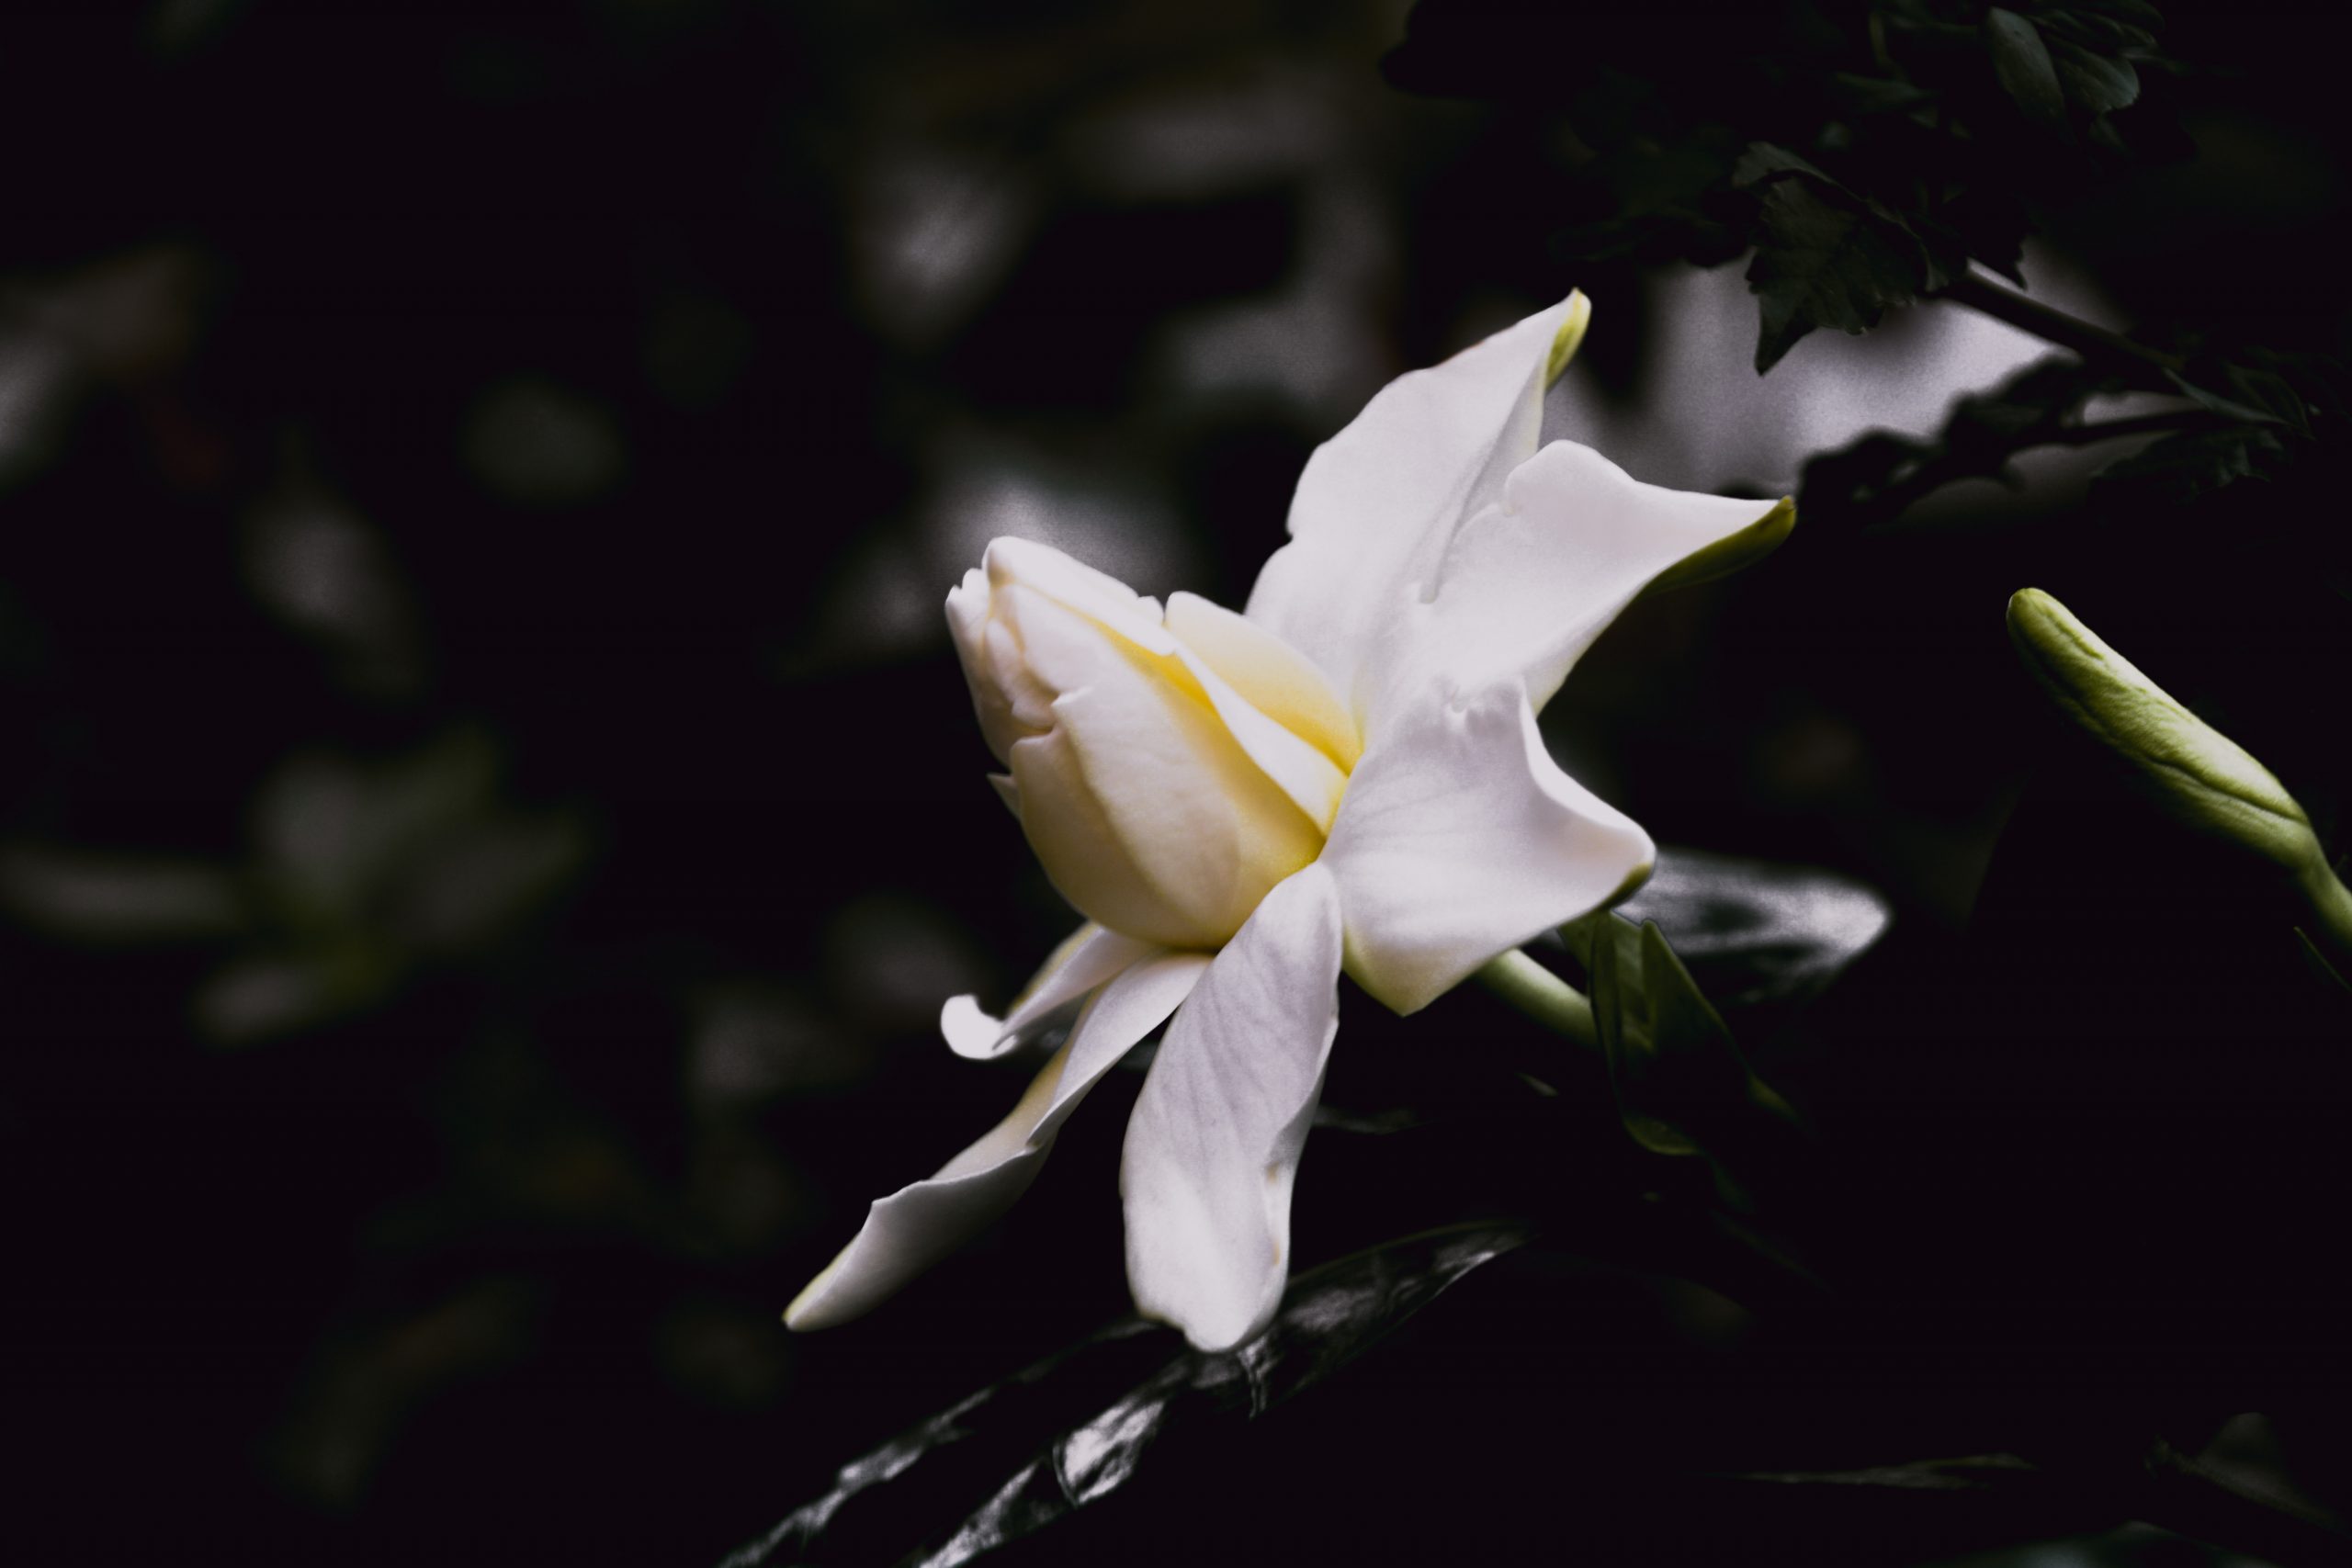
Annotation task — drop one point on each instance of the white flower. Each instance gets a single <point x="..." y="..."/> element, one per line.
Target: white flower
<point x="1349" y="775"/>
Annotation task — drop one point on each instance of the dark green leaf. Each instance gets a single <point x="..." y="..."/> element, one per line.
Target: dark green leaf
<point x="2101" y="83"/>
<point x="1762" y="160"/>
<point x="1660" y="200"/>
<point x="2182" y="468"/>
<point x="2272" y="393"/>
<point x="1072" y="1430"/>
<point x="1876" y="94"/>
<point x="2227" y="408"/>
<point x="1824" y="256"/>
<point x="2021" y="62"/>
<point x="1931" y="134"/>
<point x="2138" y="13"/>
<point x="2105" y="34"/>
<point x="1682" y="1086"/>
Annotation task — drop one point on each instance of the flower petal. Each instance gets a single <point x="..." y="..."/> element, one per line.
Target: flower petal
<point x="1214" y="1145"/>
<point x="1461" y="838"/>
<point x="1148" y="820"/>
<point x="921" y="1223"/>
<point x="1378" y="502"/>
<point x="1087" y="958"/>
<point x="1271" y="676"/>
<point x="1528" y="584"/>
<point x="1007" y="792"/>
<point x="1018" y="567"/>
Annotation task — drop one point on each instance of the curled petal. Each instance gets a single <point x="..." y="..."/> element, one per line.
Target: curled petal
<point x="1214" y="1145"/>
<point x="1461" y="838"/>
<point x="1379" y="502"/>
<point x="1087" y="958"/>
<point x="921" y="1223"/>
<point x="1528" y="584"/>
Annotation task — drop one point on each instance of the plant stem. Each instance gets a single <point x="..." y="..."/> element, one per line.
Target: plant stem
<point x="1541" y="995"/>
<point x="2095" y="343"/>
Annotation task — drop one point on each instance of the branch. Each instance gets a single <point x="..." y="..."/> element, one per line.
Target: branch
<point x="1937" y="472"/>
<point x="2096" y="344"/>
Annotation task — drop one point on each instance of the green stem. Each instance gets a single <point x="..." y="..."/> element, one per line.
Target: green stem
<point x="2096" y="345"/>
<point x="1541" y="995"/>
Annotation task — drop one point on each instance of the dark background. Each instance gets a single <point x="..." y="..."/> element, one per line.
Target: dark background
<point x="491" y="813"/>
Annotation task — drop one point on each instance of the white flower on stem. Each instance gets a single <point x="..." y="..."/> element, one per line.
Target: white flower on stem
<point x="1347" y="776"/>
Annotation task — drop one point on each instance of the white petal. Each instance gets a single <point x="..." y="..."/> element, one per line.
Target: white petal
<point x="915" y="1226"/>
<point x="1086" y="958"/>
<point x="1070" y="582"/>
<point x="1022" y="572"/>
<point x="1379" y="502"/>
<point x="1008" y="792"/>
<point x="1147" y="817"/>
<point x="1530" y="583"/>
<point x="1461" y="838"/>
<point x="967" y="625"/>
<point x="1271" y="676"/>
<point x="1214" y="1145"/>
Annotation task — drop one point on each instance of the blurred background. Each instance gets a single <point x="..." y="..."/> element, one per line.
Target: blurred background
<point x="491" y="814"/>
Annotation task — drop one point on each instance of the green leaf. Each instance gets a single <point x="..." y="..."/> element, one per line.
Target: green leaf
<point x="2137" y="13"/>
<point x="1856" y="95"/>
<point x="2227" y="408"/>
<point x="2182" y="467"/>
<point x="2022" y="65"/>
<point x="1825" y="256"/>
<point x="2273" y="394"/>
<point x="1071" y="1430"/>
<point x="2099" y="83"/>
<point x="1682" y="1086"/>
<point x="2090" y="31"/>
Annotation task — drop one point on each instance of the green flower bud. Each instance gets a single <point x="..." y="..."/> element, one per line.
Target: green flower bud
<point x="2199" y="776"/>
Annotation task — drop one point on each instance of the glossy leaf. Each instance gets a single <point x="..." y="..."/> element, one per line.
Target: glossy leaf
<point x="1072" y="1430"/>
<point x="1754" y="933"/>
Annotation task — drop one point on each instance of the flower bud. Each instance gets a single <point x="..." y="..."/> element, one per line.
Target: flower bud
<point x="1160" y="802"/>
<point x="2200" y="777"/>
